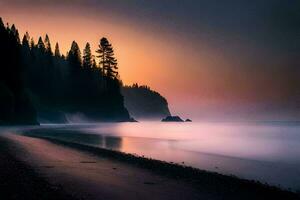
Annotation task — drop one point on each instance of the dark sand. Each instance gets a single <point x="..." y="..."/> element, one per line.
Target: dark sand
<point x="19" y="181"/>
<point x="35" y="168"/>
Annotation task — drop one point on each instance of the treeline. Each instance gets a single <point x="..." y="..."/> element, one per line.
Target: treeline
<point x="55" y="83"/>
<point x="144" y="103"/>
<point x="15" y="104"/>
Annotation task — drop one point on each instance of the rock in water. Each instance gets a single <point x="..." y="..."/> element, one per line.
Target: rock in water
<point x="172" y="119"/>
<point x="188" y="120"/>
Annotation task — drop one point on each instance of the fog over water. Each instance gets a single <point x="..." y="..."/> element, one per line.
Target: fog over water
<point x="268" y="152"/>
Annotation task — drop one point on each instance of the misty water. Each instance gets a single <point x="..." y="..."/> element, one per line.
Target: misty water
<point x="267" y="152"/>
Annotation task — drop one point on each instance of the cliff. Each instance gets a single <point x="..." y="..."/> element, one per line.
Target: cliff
<point x="144" y="103"/>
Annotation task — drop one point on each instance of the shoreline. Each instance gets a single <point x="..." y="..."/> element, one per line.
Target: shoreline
<point x="229" y="187"/>
<point x="46" y="165"/>
<point x="177" y="171"/>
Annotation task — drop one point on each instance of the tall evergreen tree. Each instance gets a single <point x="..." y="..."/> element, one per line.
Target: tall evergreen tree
<point x="74" y="55"/>
<point x="108" y="62"/>
<point x="1" y="22"/>
<point x="27" y="36"/>
<point x="94" y="63"/>
<point x="26" y="48"/>
<point x="32" y="44"/>
<point x="41" y="45"/>
<point x="87" y="57"/>
<point x="25" y="41"/>
<point x="15" y="33"/>
<point x="47" y="43"/>
<point x="57" y="51"/>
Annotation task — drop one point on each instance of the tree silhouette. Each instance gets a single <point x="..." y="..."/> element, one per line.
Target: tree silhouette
<point x="32" y="44"/>
<point x="15" y="105"/>
<point x="47" y="43"/>
<point x="57" y="51"/>
<point x="74" y="55"/>
<point x="108" y="62"/>
<point x="87" y="57"/>
<point x="41" y="45"/>
<point x="26" y="49"/>
<point x="56" y="84"/>
<point x="94" y="63"/>
<point x="15" y="33"/>
<point x="25" y="40"/>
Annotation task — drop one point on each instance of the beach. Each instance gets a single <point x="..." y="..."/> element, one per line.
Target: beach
<point x="41" y="168"/>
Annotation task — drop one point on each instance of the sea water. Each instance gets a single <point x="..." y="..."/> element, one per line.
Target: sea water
<point x="265" y="151"/>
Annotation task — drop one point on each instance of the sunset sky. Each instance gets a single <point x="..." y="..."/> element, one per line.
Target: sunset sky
<point x="207" y="57"/>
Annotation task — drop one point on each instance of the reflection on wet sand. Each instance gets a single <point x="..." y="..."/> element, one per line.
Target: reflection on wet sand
<point x="102" y="141"/>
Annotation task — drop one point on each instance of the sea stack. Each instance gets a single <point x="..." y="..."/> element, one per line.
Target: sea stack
<point x="172" y="119"/>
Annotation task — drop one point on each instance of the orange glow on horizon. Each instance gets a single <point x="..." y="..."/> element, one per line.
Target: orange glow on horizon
<point x="191" y="75"/>
<point x="143" y="57"/>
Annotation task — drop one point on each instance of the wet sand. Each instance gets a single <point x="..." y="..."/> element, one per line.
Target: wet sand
<point x="18" y="181"/>
<point x="72" y="171"/>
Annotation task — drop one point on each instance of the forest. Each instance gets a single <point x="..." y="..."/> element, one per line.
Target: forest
<point x="144" y="103"/>
<point x="40" y="84"/>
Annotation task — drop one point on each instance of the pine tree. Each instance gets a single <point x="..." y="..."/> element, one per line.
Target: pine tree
<point x="74" y="55"/>
<point x="57" y="51"/>
<point x="87" y="57"/>
<point x="1" y="23"/>
<point x="27" y="36"/>
<point x="47" y="43"/>
<point x="41" y="45"/>
<point x="94" y="63"/>
<point x="32" y="44"/>
<point x="15" y="33"/>
<point x="25" y="40"/>
<point x="108" y="62"/>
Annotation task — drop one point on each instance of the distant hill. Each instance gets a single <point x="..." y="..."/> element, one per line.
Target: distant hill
<point x="142" y="102"/>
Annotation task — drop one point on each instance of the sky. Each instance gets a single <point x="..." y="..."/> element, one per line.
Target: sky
<point x="211" y="59"/>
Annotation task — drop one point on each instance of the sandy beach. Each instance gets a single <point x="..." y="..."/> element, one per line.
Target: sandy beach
<point x="59" y="170"/>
